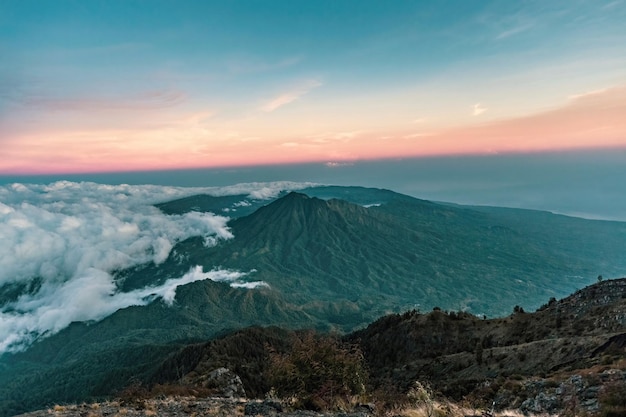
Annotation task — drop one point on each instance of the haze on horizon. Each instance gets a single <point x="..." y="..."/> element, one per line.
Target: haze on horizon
<point x="134" y="86"/>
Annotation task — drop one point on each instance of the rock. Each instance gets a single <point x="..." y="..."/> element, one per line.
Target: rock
<point x="542" y="403"/>
<point x="577" y="382"/>
<point x="590" y="393"/>
<point x="227" y="383"/>
<point x="265" y="408"/>
<point x="365" y="408"/>
<point x="591" y="405"/>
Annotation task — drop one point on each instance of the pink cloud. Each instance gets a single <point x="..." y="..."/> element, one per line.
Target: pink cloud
<point x="586" y="120"/>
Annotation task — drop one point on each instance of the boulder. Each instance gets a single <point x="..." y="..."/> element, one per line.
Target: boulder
<point x="226" y="383"/>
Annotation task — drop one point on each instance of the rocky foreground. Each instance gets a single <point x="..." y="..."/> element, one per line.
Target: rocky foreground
<point x="185" y="406"/>
<point x="229" y="407"/>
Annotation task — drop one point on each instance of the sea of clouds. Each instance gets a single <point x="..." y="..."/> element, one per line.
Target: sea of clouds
<point x="71" y="237"/>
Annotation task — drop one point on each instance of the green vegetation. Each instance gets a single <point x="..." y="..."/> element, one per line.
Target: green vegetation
<point x="408" y="252"/>
<point x="335" y="266"/>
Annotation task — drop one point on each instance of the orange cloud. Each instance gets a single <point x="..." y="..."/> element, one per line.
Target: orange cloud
<point x="596" y="119"/>
<point x="589" y="120"/>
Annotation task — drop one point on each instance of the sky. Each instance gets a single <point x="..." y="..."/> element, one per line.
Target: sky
<point x="117" y="86"/>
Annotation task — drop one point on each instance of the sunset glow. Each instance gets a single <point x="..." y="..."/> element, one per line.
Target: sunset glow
<point x="118" y="86"/>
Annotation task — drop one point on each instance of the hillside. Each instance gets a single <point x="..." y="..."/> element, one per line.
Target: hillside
<point x="576" y="341"/>
<point x="332" y="264"/>
<point x="444" y="347"/>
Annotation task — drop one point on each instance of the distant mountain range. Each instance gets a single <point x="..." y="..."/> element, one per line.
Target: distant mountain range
<point x="333" y="258"/>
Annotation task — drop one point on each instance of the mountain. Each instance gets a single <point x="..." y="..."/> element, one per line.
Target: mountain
<point x="568" y="353"/>
<point x="402" y="252"/>
<point x="334" y="258"/>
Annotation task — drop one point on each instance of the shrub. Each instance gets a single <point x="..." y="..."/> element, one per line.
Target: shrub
<point x="420" y="395"/>
<point x="320" y="372"/>
<point x="612" y="400"/>
<point x="134" y="394"/>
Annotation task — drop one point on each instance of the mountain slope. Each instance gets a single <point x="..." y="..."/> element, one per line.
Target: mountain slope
<point x="460" y="354"/>
<point x="402" y="253"/>
<point x="416" y="252"/>
<point x="510" y="360"/>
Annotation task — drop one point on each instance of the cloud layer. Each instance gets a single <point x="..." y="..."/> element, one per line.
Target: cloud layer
<point x="69" y="238"/>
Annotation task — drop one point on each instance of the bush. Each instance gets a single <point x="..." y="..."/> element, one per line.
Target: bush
<point x="320" y="372"/>
<point x="133" y="394"/>
<point x="420" y="395"/>
<point x="612" y="400"/>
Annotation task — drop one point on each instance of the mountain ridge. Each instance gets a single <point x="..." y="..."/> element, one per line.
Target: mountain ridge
<point x="395" y="245"/>
<point x="578" y="339"/>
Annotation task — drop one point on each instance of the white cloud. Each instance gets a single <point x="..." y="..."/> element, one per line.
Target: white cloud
<point x="588" y="94"/>
<point x="243" y="203"/>
<point x="249" y="285"/>
<point x="241" y="64"/>
<point x="327" y="137"/>
<point x="290" y="96"/>
<point x="334" y="164"/>
<point x="418" y="135"/>
<point x="87" y="298"/>
<point x="478" y="109"/>
<point x="72" y="236"/>
<point x="612" y="4"/>
<point x="514" y="31"/>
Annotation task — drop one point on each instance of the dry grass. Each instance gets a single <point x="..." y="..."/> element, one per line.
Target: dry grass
<point x="435" y="409"/>
<point x="448" y="409"/>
